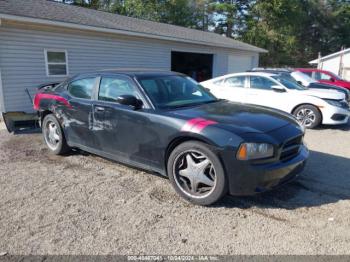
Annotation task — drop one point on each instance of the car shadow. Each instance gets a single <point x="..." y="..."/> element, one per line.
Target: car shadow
<point x="77" y="151"/>
<point x="27" y="131"/>
<point x="343" y="127"/>
<point x="325" y="180"/>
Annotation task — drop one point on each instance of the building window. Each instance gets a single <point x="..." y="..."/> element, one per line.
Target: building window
<point x="56" y="62"/>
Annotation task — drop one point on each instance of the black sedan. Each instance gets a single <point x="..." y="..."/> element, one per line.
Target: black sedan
<point x="167" y="123"/>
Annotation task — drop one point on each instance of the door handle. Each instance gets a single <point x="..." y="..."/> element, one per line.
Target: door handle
<point x="99" y="109"/>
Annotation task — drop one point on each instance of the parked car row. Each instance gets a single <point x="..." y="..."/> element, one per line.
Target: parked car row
<point x="311" y="103"/>
<point x="305" y="80"/>
<point x="165" y="122"/>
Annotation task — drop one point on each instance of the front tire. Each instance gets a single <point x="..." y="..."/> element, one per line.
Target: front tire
<point x="54" y="136"/>
<point x="308" y="115"/>
<point x="196" y="173"/>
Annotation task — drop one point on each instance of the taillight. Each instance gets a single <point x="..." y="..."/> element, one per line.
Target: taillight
<point x="36" y="102"/>
<point x="38" y="97"/>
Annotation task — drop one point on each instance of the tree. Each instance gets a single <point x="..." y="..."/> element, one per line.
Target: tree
<point x="293" y="31"/>
<point x="183" y="13"/>
<point x="178" y="12"/>
<point x="229" y="15"/>
<point x="341" y="16"/>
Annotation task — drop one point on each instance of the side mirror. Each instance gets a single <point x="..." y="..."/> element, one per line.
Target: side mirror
<point x="300" y="83"/>
<point x="130" y="100"/>
<point x="278" y="88"/>
<point x="332" y="79"/>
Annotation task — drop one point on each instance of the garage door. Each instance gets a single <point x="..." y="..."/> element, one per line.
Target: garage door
<point x="239" y="63"/>
<point x="196" y="65"/>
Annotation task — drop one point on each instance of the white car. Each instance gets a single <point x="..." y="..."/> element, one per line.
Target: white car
<point x="310" y="106"/>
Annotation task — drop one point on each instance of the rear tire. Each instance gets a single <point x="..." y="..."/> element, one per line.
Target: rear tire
<point x="196" y="173"/>
<point x="54" y="136"/>
<point x="308" y="115"/>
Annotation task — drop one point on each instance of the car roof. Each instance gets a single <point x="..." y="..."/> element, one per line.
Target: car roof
<point x="132" y="72"/>
<point x="267" y="74"/>
<point x="306" y="69"/>
<point x="311" y="70"/>
<point x="272" y="69"/>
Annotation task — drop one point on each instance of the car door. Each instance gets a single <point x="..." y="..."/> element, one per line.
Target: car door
<point x="260" y="92"/>
<point x="232" y="88"/>
<point x="77" y="117"/>
<point x="120" y="131"/>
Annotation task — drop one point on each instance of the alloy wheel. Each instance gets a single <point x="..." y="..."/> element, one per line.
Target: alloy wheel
<point x="306" y="117"/>
<point x="51" y="135"/>
<point x="194" y="174"/>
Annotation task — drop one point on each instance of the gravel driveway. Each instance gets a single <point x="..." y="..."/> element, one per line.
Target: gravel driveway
<point x="84" y="204"/>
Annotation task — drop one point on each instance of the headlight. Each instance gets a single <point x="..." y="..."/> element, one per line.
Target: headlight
<point x="248" y="151"/>
<point x="334" y="102"/>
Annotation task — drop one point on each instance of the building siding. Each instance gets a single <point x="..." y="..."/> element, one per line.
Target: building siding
<point x="332" y="64"/>
<point x="22" y="58"/>
<point x="240" y="63"/>
<point x="2" y="107"/>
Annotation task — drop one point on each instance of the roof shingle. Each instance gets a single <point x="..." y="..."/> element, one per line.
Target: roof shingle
<point x="54" y="11"/>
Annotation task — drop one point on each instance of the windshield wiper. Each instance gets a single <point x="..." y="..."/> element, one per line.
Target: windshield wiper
<point x="197" y="104"/>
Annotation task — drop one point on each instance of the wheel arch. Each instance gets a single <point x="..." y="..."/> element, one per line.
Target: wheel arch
<point x="307" y="104"/>
<point x="179" y="140"/>
<point x="43" y="114"/>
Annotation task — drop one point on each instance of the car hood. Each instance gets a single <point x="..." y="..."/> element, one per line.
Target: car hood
<point x="325" y="86"/>
<point x="330" y="86"/>
<point x="323" y="93"/>
<point x="237" y="117"/>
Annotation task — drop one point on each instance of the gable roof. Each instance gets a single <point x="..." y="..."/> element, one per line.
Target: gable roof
<point x="315" y="61"/>
<point x="54" y="13"/>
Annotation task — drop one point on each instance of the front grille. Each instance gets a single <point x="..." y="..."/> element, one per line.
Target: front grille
<point x="291" y="148"/>
<point x="338" y="117"/>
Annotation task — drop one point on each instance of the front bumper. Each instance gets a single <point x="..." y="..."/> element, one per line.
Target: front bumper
<point x="250" y="179"/>
<point x="332" y="115"/>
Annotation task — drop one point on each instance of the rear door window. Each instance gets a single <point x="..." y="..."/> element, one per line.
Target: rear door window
<point x="82" y="88"/>
<point x="235" y="81"/>
<point x="113" y="87"/>
<point x="325" y="77"/>
<point x="309" y="73"/>
<point x="259" y="82"/>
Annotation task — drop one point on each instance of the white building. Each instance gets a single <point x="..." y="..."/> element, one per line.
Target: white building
<point x="337" y="63"/>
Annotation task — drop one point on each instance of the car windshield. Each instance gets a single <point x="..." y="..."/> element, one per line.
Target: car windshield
<point x="336" y="77"/>
<point x="287" y="76"/>
<point x="174" y="91"/>
<point x="303" y="78"/>
<point x="290" y="84"/>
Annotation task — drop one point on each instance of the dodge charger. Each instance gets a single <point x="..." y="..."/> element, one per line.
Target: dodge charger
<point x="167" y="123"/>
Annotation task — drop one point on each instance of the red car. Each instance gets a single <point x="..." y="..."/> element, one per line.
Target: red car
<point x="324" y="76"/>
